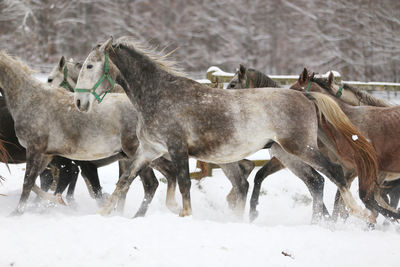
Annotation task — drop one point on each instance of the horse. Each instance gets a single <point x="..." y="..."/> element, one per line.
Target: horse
<point x="378" y="124"/>
<point x="42" y="115"/>
<point x="178" y="118"/>
<point x="251" y="78"/>
<point x="246" y="78"/>
<point x="63" y="77"/>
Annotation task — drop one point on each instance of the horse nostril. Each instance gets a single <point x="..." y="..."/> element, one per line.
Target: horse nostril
<point x="78" y="104"/>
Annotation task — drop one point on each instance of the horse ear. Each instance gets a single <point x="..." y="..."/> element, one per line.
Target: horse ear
<point x="107" y="44"/>
<point x="242" y="72"/>
<point x="330" y="78"/>
<point x="61" y="64"/>
<point x="303" y="78"/>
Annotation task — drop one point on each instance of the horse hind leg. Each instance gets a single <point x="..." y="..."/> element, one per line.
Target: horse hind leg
<point x="269" y="168"/>
<point x="312" y="156"/>
<point x="35" y="164"/>
<point x="240" y="185"/>
<point x="167" y="169"/>
<point x="313" y="180"/>
<point x="246" y="166"/>
<point x="150" y="184"/>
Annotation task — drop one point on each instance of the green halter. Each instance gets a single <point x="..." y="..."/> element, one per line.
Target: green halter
<point x="102" y="78"/>
<point x="65" y="82"/>
<point x="339" y="92"/>
<point x="308" y="86"/>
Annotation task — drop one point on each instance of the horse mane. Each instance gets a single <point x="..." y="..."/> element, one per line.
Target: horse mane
<point x="262" y="80"/>
<point x="16" y="62"/>
<point x="366" y="98"/>
<point x="362" y="96"/>
<point x="159" y="57"/>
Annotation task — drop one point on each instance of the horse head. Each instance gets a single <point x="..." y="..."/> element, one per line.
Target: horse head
<point x="96" y="78"/>
<point x="64" y="74"/>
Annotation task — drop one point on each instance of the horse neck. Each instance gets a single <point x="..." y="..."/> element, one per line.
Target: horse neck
<point x="263" y="80"/>
<point x="11" y="79"/>
<point x="73" y="73"/>
<point x="143" y="76"/>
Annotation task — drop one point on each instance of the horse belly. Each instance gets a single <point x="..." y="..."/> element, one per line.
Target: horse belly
<point x="236" y="148"/>
<point x="88" y="149"/>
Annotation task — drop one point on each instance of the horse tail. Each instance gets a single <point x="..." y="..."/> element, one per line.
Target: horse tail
<point x="363" y="152"/>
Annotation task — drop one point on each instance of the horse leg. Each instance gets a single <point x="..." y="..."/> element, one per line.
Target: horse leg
<point x="150" y="184"/>
<point x="339" y="208"/>
<point x="312" y="156"/>
<point x="123" y="165"/>
<point x="239" y="183"/>
<point x="178" y="152"/>
<point x="140" y="160"/>
<point x="46" y="178"/>
<point x="246" y="167"/>
<point x="167" y="169"/>
<point x="35" y="164"/>
<point x="272" y="166"/>
<point x="72" y="184"/>
<point x="89" y="172"/>
<point x="394" y="195"/>
<point x="313" y="180"/>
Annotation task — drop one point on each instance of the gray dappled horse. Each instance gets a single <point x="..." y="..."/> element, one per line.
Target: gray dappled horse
<point x="178" y="118"/>
<point x="43" y="118"/>
<point x="251" y="78"/>
<point x="246" y="78"/>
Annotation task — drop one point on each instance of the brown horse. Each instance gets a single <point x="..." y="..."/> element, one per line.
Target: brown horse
<point x="381" y="125"/>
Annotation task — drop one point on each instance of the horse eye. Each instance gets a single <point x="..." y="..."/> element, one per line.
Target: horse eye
<point x="49" y="80"/>
<point x="89" y="66"/>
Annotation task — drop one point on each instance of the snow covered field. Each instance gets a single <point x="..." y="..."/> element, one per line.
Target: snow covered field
<point x="76" y="236"/>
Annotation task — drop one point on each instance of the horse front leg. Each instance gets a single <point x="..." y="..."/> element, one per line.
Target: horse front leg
<point x="178" y="152"/>
<point x="140" y="160"/>
<point x="35" y="164"/>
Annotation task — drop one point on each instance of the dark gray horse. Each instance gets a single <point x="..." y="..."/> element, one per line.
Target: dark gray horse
<point x="178" y="117"/>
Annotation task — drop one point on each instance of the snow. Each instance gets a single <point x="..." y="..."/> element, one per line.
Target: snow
<point x="48" y="235"/>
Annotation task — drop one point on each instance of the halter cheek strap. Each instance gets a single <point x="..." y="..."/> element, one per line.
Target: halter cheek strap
<point x="339" y="92"/>
<point x="308" y="86"/>
<point x="107" y="76"/>
<point x="65" y="82"/>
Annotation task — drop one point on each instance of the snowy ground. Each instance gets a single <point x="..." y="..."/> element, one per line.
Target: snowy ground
<point x="65" y="236"/>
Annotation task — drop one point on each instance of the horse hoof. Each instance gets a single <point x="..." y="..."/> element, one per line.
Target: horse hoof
<point x="15" y="213"/>
<point x="184" y="213"/>
<point x="253" y="215"/>
<point x="60" y="200"/>
<point x="104" y="211"/>
<point x="173" y="207"/>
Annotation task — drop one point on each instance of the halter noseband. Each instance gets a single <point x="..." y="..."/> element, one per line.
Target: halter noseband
<point x="65" y="82"/>
<point x="102" y="78"/>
